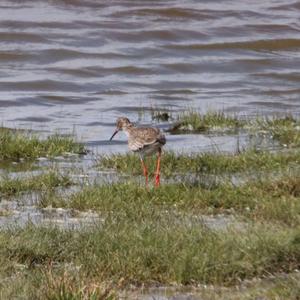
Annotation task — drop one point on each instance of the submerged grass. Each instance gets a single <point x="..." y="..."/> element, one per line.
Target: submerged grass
<point x="214" y="163"/>
<point x="43" y="182"/>
<point x="284" y="129"/>
<point x="160" y="115"/>
<point x="15" y="144"/>
<point x="193" y="121"/>
<point x="284" y="287"/>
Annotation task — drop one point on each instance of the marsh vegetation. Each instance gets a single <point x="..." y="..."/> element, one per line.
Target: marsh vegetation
<point x="20" y="144"/>
<point x="284" y="129"/>
<point x="160" y="237"/>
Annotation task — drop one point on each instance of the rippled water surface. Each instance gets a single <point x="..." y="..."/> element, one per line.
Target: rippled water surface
<point x="77" y="65"/>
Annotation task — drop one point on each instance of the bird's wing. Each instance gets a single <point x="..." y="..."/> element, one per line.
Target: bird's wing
<point x="135" y="144"/>
<point x="144" y="137"/>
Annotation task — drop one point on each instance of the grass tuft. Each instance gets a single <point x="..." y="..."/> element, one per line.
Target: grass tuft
<point x="285" y="130"/>
<point x="214" y="163"/>
<point x="195" y="122"/>
<point x="70" y="286"/>
<point x="43" y="182"/>
<point x="16" y="144"/>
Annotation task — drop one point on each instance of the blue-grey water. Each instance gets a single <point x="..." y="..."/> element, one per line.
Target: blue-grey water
<point x="76" y="65"/>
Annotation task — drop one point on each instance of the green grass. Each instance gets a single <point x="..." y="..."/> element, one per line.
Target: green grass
<point x="161" y="250"/>
<point x="283" y="286"/>
<point x="43" y="182"/>
<point x="193" y="121"/>
<point x="154" y="237"/>
<point x="284" y="129"/>
<point x="214" y="163"/>
<point x="15" y="145"/>
<point x="52" y="281"/>
<point x="149" y="251"/>
<point x="276" y="201"/>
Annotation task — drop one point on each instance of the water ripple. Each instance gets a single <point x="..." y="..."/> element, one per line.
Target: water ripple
<point x="83" y="63"/>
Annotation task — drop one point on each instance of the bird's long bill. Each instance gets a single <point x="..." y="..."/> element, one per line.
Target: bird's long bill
<point x="114" y="134"/>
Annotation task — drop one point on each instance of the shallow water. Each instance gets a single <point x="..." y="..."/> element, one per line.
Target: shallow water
<point x="22" y="211"/>
<point x="77" y="65"/>
<point x="256" y="288"/>
<point x="14" y="215"/>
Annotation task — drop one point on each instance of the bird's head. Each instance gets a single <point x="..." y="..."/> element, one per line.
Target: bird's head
<point x="122" y="124"/>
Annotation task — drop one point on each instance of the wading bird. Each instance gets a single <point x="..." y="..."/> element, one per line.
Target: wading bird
<point x="145" y="141"/>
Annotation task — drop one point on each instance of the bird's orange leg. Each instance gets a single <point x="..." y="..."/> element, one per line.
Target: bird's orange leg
<point x="145" y="171"/>
<point x="157" y="174"/>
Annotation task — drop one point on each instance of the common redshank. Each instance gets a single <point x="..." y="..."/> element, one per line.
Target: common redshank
<point x="145" y="141"/>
